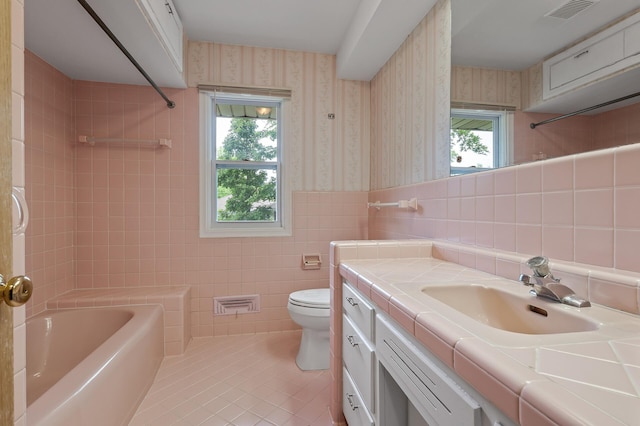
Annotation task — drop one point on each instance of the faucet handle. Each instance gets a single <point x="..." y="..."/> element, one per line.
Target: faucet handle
<point x="539" y="265"/>
<point x="525" y="279"/>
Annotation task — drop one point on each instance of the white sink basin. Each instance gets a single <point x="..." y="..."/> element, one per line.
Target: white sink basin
<point x="510" y="312"/>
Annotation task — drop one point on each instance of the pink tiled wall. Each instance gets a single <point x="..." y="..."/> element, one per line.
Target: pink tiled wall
<point x="133" y="211"/>
<point x="573" y="135"/>
<point x="569" y="136"/>
<point x="49" y="166"/>
<point x="579" y="208"/>
<point x="137" y="215"/>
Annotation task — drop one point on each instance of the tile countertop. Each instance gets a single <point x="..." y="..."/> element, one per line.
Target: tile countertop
<point x="583" y="378"/>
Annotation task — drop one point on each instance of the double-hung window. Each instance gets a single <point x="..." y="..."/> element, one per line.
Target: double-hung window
<point x="242" y="185"/>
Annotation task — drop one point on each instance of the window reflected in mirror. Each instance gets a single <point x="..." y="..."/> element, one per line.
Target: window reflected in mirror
<point x="481" y="139"/>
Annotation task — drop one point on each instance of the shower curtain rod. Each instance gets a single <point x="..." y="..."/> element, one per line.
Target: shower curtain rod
<point x="604" y="104"/>
<point x="135" y="63"/>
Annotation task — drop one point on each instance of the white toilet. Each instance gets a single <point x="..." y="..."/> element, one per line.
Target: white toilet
<point x="310" y="309"/>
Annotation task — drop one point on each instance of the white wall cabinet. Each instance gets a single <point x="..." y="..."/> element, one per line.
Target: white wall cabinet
<point x="592" y="58"/>
<point x="601" y="56"/>
<point x="632" y="40"/>
<point x="165" y="23"/>
<point x="152" y="33"/>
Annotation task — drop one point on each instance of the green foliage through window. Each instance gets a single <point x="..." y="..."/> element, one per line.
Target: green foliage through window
<point x="246" y="171"/>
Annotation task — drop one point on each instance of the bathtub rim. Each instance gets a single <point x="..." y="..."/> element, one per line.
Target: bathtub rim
<point x="59" y="395"/>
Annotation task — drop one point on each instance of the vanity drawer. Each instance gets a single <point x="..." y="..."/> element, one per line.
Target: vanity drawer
<point x="360" y="311"/>
<point x="355" y="411"/>
<point x="358" y="357"/>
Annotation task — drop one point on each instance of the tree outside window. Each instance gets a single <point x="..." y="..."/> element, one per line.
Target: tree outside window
<point x="247" y="194"/>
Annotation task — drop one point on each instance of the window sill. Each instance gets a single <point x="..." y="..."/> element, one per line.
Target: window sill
<point x="245" y="233"/>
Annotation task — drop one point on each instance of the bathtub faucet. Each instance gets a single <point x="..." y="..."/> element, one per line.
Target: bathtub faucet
<point x="545" y="285"/>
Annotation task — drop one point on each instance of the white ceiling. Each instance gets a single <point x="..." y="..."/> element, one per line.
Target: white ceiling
<point x="509" y="34"/>
<point x="362" y="33"/>
<point x="515" y="34"/>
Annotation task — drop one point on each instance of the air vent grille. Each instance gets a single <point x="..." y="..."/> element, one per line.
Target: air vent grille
<point x="233" y="305"/>
<point x="571" y="8"/>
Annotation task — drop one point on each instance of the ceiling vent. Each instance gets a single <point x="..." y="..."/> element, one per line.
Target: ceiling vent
<point x="571" y="8"/>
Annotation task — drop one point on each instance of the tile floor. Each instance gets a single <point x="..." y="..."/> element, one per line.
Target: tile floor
<point x="237" y="380"/>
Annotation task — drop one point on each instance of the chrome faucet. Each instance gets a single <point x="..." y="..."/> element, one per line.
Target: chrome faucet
<point x="545" y="285"/>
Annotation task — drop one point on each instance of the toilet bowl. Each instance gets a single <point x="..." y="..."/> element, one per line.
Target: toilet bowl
<point x="310" y="309"/>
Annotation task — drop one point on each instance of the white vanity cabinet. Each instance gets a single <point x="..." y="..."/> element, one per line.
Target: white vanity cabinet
<point x="358" y="357"/>
<point x="601" y="56"/>
<point x="391" y="379"/>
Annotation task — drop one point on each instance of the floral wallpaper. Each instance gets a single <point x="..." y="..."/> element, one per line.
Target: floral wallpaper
<point x="410" y="99"/>
<point x="324" y="153"/>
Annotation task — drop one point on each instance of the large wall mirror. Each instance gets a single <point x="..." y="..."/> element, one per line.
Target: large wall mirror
<point x="498" y="49"/>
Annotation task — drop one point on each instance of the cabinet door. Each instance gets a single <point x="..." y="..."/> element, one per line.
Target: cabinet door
<point x="632" y="40"/>
<point x="359" y="310"/>
<point x="359" y="358"/>
<point x="601" y="54"/>
<point x="353" y="407"/>
<point x="164" y="20"/>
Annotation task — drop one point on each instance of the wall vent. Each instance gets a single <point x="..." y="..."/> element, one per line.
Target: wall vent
<point x="571" y="8"/>
<point x="233" y="305"/>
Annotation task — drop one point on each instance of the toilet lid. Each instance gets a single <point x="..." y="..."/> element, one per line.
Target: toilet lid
<point x="314" y="298"/>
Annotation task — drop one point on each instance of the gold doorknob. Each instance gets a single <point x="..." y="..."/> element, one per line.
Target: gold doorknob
<point x="16" y="291"/>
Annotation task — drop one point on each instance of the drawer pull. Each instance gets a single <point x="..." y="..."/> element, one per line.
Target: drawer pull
<point x="354" y="407"/>
<point x="581" y="54"/>
<point x="351" y="301"/>
<point x="352" y="341"/>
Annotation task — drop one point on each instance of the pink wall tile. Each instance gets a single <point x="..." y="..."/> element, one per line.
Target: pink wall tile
<point x="468" y="185"/>
<point x="557" y="174"/>
<point x="626" y="249"/>
<point x="616" y="295"/>
<point x="594" y="246"/>
<point x="485" y="234"/>
<point x="485" y="209"/>
<point x="505" y="208"/>
<point x="626" y="164"/>
<point x="586" y="166"/>
<point x="505" y="181"/>
<point x="557" y="242"/>
<point x="528" y="208"/>
<point x="557" y="208"/>
<point x="529" y="178"/>
<point x="594" y="208"/>
<point x="528" y="239"/>
<point x="505" y="237"/>
<point x="485" y="183"/>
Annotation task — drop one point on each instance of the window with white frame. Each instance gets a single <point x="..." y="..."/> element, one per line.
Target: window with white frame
<point x="242" y="185"/>
<point x="481" y="139"/>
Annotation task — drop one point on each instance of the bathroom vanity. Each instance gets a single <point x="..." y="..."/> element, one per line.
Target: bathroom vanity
<point x="426" y="341"/>
<point x="393" y="380"/>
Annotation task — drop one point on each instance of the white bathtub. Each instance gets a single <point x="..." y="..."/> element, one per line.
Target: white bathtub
<point x="91" y="366"/>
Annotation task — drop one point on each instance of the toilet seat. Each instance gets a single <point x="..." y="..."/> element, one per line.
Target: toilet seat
<point x="317" y="298"/>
